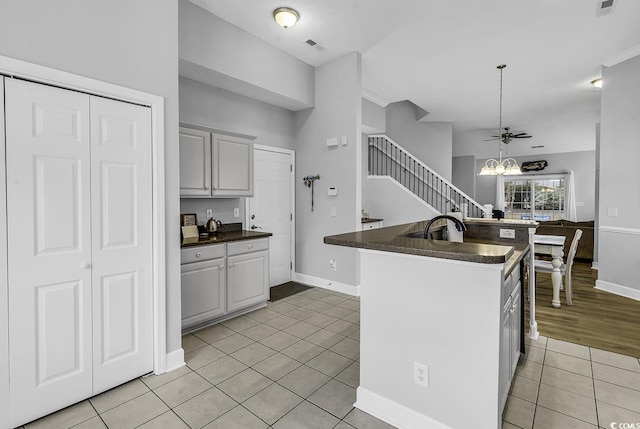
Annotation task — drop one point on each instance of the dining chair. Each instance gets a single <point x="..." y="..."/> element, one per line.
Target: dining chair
<point x="546" y="267"/>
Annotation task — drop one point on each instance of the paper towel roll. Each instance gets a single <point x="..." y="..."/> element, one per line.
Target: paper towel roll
<point x="452" y="232"/>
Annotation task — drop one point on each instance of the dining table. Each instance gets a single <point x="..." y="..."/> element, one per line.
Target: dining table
<point x="552" y="245"/>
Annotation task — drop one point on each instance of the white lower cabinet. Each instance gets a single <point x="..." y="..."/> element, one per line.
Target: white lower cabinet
<point x="222" y="280"/>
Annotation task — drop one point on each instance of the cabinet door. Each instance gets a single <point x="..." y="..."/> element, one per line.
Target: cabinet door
<point x="203" y="291"/>
<point x="505" y="350"/>
<point x="195" y="163"/>
<point x="49" y="237"/>
<point x="247" y="280"/>
<point x="121" y="242"/>
<point x="232" y="166"/>
<point x="515" y="328"/>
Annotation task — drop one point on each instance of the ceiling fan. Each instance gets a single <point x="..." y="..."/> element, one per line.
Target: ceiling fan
<point x="507" y="136"/>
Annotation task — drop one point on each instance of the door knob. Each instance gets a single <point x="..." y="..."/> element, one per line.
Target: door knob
<point x="85" y="265"/>
<point x="255" y="227"/>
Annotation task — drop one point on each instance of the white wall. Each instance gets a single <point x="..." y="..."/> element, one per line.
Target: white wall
<point x="219" y="53"/>
<point x="430" y="142"/>
<point x="583" y="164"/>
<point x="387" y="199"/>
<point x="619" y="193"/>
<point x="132" y="44"/>
<point x="337" y="112"/>
<point x="373" y="118"/>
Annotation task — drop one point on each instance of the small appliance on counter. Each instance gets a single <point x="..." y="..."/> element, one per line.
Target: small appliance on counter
<point x="212" y="225"/>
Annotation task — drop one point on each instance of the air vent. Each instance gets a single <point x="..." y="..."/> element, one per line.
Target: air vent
<point x="604" y="7"/>
<point x="314" y="44"/>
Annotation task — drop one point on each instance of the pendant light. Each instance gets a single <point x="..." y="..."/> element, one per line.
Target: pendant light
<point x="507" y="166"/>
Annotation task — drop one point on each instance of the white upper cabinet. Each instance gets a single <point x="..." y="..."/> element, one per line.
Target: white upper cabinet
<point x="215" y="163"/>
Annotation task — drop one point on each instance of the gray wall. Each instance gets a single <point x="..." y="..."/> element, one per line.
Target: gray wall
<point x="132" y="44"/>
<point x="337" y="112"/>
<point x="583" y="164"/>
<point x="430" y="142"/>
<point x="463" y="174"/>
<point x="373" y="118"/>
<point x="217" y="52"/>
<point x="619" y="235"/>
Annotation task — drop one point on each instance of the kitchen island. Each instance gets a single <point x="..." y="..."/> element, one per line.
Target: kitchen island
<point x="441" y="324"/>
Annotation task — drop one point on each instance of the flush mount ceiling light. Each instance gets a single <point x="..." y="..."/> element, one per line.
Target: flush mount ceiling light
<point x="597" y="83"/>
<point x="500" y="166"/>
<point x="285" y="16"/>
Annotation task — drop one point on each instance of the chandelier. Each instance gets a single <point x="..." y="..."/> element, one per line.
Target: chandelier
<point x="507" y="166"/>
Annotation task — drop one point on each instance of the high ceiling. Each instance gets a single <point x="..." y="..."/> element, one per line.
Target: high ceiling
<point x="442" y="56"/>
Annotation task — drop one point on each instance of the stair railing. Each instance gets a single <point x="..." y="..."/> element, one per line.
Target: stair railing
<point x="387" y="158"/>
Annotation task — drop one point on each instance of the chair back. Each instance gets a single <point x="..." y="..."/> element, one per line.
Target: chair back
<point x="573" y="249"/>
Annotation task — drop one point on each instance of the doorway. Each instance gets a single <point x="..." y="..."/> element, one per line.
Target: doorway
<point x="272" y="208"/>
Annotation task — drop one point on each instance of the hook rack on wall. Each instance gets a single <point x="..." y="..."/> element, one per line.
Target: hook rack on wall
<point x="308" y="181"/>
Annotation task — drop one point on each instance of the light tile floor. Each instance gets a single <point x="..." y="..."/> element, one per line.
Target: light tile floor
<point x="295" y="364"/>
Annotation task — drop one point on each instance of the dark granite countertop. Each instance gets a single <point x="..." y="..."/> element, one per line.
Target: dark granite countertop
<point x="223" y="237"/>
<point x="483" y="249"/>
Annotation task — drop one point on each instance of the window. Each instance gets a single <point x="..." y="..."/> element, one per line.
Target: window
<point x="540" y="198"/>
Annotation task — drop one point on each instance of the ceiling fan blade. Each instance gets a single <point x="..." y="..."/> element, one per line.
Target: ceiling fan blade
<point x="519" y="134"/>
<point x="488" y="140"/>
<point x="522" y="137"/>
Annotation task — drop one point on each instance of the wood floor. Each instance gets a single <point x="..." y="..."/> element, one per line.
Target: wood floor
<point x="596" y="318"/>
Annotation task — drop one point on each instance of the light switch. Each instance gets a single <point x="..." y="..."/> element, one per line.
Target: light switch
<point x="332" y="142"/>
<point x="344" y="140"/>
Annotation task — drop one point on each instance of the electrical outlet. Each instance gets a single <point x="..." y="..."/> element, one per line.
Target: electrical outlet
<point x="209" y="213"/>
<point x="332" y="264"/>
<point x="421" y="374"/>
<point x="507" y="233"/>
<point x="236" y="212"/>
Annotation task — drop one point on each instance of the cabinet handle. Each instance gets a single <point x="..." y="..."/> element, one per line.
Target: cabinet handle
<point x="250" y="246"/>
<point x="85" y="265"/>
<point x="221" y="267"/>
<point x="231" y="265"/>
<point x="198" y="254"/>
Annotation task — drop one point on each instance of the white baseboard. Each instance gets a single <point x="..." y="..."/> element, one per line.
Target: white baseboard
<point x="625" y="291"/>
<point x="326" y="284"/>
<point x="175" y="360"/>
<point x="393" y="413"/>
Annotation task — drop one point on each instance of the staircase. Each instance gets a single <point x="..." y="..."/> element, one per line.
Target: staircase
<point x="387" y="158"/>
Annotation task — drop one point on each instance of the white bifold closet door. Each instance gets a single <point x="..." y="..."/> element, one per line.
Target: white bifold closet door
<point x="80" y="247"/>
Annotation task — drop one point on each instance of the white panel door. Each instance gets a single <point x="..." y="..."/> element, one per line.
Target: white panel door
<point x="121" y="242"/>
<point x="270" y="209"/>
<point x="49" y="233"/>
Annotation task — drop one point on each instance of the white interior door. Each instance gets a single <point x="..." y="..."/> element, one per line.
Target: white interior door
<point x="49" y="240"/>
<point x="80" y="248"/>
<point x="121" y="242"/>
<point x="271" y="208"/>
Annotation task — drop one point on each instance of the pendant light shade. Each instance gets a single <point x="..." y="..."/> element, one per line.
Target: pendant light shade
<point x="286" y="17"/>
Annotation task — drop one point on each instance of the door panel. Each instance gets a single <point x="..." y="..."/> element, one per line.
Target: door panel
<point x="270" y="208"/>
<point x="121" y="189"/>
<point x="49" y="232"/>
<point x="59" y="336"/>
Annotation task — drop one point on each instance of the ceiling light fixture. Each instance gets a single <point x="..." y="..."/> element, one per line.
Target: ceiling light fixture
<point x="597" y="83"/>
<point x="500" y="166"/>
<point x="286" y="17"/>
